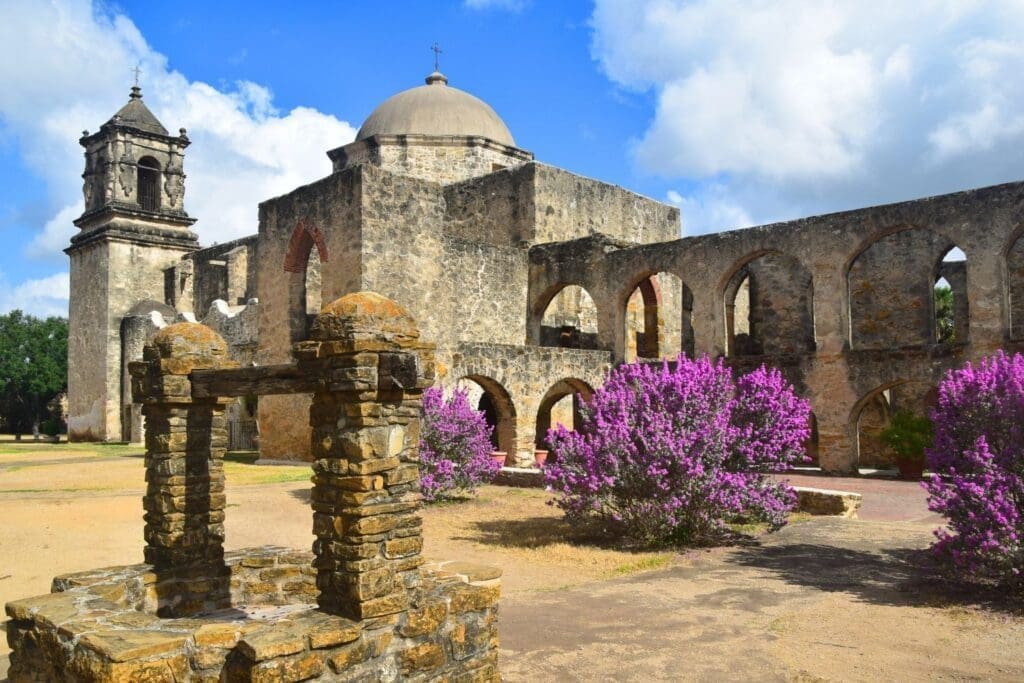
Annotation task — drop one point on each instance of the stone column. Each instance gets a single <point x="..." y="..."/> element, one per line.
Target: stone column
<point x="185" y="443"/>
<point x="365" y="420"/>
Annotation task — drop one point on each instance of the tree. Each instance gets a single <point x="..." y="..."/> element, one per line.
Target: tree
<point x="944" y="327"/>
<point x="33" y="367"/>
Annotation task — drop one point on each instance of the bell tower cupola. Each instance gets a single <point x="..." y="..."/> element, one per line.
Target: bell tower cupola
<point x="134" y="179"/>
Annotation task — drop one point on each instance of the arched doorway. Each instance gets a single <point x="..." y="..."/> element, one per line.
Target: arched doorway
<point x="560" y="406"/>
<point x="873" y="414"/>
<point x="489" y="397"/>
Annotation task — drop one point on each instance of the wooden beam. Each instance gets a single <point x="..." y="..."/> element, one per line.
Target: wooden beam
<point x="259" y="381"/>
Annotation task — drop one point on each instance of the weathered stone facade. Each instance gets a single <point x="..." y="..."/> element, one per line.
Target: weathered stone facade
<point x="530" y="279"/>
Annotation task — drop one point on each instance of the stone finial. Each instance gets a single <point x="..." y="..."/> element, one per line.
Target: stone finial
<point x="366" y="320"/>
<point x="186" y="346"/>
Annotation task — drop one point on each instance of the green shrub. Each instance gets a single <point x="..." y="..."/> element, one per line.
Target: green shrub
<point x="908" y="435"/>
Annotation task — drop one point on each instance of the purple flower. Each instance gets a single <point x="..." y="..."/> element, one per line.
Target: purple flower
<point x="455" y="445"/>
<point x="978" y="461"/>
<point x="673" y="454"/>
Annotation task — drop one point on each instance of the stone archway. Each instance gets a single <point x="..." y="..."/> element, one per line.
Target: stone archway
<point x="560" y="406"/>
<point x="769" y="306"/>
<point x="490" y="397"/>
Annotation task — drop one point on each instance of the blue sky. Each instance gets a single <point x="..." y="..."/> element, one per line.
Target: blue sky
<point x="739" y="112"/>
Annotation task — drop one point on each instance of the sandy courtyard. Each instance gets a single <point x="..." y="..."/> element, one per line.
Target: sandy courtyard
<point x="824" y="599"/>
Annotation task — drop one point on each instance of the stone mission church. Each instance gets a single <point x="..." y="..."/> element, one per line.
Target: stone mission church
<point x="531" y="280"/>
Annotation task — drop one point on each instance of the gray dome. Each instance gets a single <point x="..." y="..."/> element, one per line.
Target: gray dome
<point x="436" y="109"/>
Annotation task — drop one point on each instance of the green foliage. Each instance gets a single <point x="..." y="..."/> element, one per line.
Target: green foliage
<point x="33" y="367"/>
<point x="944" y="329"/>
<point x="908" y="435"/>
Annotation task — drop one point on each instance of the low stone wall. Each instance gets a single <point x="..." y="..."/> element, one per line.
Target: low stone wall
<point x="101" y="625"/>
<point x="828" y="502"/>
<point x="810" y="500"/>
<point x="520" y="477"/>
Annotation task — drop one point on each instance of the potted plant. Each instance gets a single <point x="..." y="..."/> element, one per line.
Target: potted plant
<point x="908" y="435"/>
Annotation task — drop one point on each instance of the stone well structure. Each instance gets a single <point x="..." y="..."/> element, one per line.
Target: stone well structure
<point x="364" y="605"/>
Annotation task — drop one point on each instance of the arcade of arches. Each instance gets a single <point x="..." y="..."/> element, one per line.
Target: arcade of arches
<point x="864" y="312"/>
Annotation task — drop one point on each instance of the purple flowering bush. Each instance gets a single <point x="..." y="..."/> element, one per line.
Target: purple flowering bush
<point x="455" y="445"/>
<point x="671" y="455"/>
<point x="978" y="461"/>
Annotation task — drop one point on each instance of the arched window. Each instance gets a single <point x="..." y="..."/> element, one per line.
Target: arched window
<point x="892" y="293"/>
<point x="657" y="316"/>
<point x="950" y="298"/>
<point x="570" y="320"/>
<point x="305" y="261"/>
<point x="148" y="185"/>
<point x="769" y="307"/>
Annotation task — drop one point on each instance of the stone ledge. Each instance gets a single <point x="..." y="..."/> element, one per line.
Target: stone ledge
<point x="828" y="502"/>
<point x="521" y="477"/>
<point x="99" y="625"/>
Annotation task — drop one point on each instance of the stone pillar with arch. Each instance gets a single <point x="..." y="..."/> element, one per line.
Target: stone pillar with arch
<point x="362" y="605"/>
<point x="186" y="438"/>
<point x="365" y="420"/>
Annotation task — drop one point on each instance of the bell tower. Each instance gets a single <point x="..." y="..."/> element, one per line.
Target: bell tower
<point x="133" y="230"/>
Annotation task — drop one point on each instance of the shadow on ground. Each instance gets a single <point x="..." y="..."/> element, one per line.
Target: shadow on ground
<point x="897" y="576"/>
<point x="538" y="532"/>
<point x="305" y="495"/>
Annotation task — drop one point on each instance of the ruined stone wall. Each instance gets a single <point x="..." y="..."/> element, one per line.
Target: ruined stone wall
<point x="402" y="248"/>
<point x="568" y="206"/>
<point x="333" y="207"/>
<point x="239" y="326"/>
<point x="225" y="271"/>
<point x="836" y="374"/>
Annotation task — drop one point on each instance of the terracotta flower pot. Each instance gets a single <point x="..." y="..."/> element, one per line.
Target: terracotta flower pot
<point x="540" y="457"/>
<point x="499" y="457"/>
<point x="910" y="469"/>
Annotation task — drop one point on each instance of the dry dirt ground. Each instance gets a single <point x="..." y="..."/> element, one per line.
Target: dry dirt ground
<point x="823" y="599"/>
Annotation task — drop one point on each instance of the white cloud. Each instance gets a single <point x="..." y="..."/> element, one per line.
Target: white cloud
<point x="66" y="65"/>
<point x="819" y="106"/>
<point x="709" y="210"/>
<point x="40" y="297"/>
